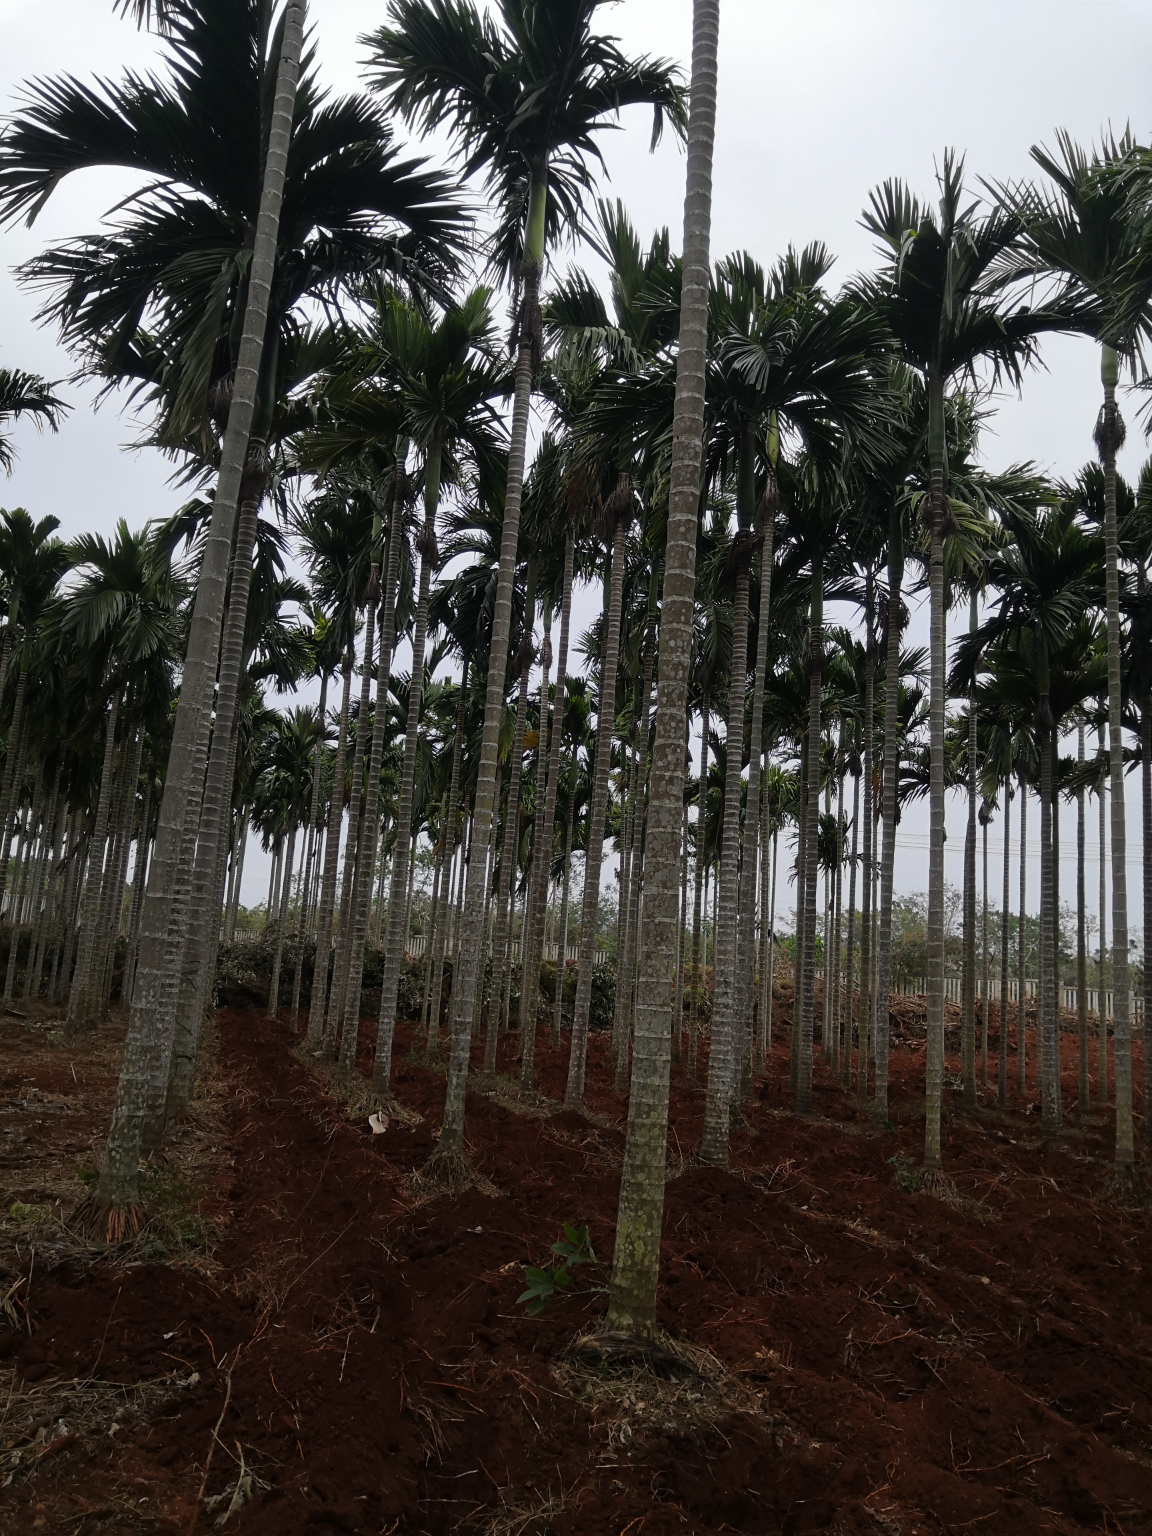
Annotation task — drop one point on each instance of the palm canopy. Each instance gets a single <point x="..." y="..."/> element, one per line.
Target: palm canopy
<point x="25" y="394"/>
<point x="944" y="291"/>
<point x="525" y="86"/>
<point x="1081" y="230"/>
<point x="176" y="257"/>
<point x="32" y="561"/>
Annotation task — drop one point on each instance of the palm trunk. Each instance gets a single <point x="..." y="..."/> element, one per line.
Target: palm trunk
<point x="117" y="1189"/>
<point x="594" y="851"/>
<point x="397" y="935"/>
<point x="934" y="1052"/>
<point x="698" y="881"/>
<point x="1146" y="870"/>
<point x="678" y="999"/>
<point x="984" y="950"/>
<point x="625" y="981"/>
<point x="1083" y="1092"/>
<point x="832" y="957"/>
<point x="502" y="947"/>
<point x="1005" y="903"/>
<point x="282" y="924"/>
<point x="888" y="808"/>
<point x="450" y="823"/>
<point x="867" y="980"/>
<point x="324" y="921"/>
<point x="968" y="1014"/>
<point x="1121" y="1034"/>
<point x="468" y="963"/>
<point x="1022" y="949"/>
<point x="80" y="1014"/>
<point x="771" y="949"/>
<point x="562" y="931"/>
<point x="531" y="982"/>
<point x="850" y="938"/>
<point x="746" y="938"/>
<point x="636" y="1262"/>
<point x="1049" y="1087"/>
<point x="13" y="776"/>
<point x="803" y="1016"/>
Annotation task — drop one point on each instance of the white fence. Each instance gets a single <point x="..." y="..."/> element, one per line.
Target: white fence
<point x="954" y="993"/>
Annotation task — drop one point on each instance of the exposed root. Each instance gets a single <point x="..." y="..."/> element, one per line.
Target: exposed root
<point x="446" y="1171"/>
<point x="1126" y="1186"/>
<point x="628" y="1351"/>
<point x="101" y="1221"/>
<point x="934" y="1181"/>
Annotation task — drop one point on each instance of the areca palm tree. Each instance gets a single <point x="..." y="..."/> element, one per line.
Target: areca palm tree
<point x="1087" y="231"/>
<point x="524" y="88"/>
<point x="942" y="295"/>
<point x="25" y="396"/>
<point x="636" y="1262"/>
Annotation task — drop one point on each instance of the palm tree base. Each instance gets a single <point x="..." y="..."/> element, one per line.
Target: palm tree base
<point x="630" y="1350"/>
<point x="448" y="1168"/>
<point x="106" y="1222"/>
<point x="1126" y="1185"/>
<point x="934" y="1181"/>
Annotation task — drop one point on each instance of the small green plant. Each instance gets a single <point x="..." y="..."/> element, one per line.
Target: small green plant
<point x="545" y="1285"/>
<point x="18" y="1211"/>
<point x="908" y="1176"/>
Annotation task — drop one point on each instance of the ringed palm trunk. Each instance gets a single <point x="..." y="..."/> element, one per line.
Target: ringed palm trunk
<point x="1083" y="1092"/>
<point x="468" y="961"/>
<point x="282" y="924"/>
<point x="1146" y="867"/>
<point x="751" y="836"/>
<point x="888" y="805"/>
<point x="850" y="938"/>
<point x="320" y="967"/>
<point x="80" y="1013"/>
<point x="934" y="1051"/>
<point x="678" y="1000"/>
<point x="811" y="851"/>
<point x="1046" y="1062"/>
<point x="968" y="1016"/>
<point x="698" y="882"/>
<point x="117" y="1190"/>
<point x="636" y="1262"/>
<point x="366" y="861"/>
<point x="1022" y="948"/>
<point x="1101" y="969"/>
<point x="505" y="899"/>
<point x="309" y="857"/>
<point x="450" y="824"/>
<point x="397" y="933"/>
<point x="13" y="775"/>
<point x="723" y="1050"/>
<point x="562" y="930"/>
<point x="544" y="858"/>
<point x="1121" y="1027"/>
<point x="868" y="901"/>
<point x="984" y="999"/>
<point x="594" y="851"/>
<point x="529" y="946"/>
<point x="1005" y="904"/>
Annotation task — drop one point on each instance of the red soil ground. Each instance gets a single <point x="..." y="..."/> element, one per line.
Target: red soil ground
<point x="886" y="1362"/>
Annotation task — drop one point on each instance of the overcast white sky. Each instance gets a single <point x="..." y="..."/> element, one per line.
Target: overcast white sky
<point x="819" y="100"/>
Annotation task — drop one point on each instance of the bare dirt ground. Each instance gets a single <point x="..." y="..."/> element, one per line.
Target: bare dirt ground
<point x="303" y="1341"/>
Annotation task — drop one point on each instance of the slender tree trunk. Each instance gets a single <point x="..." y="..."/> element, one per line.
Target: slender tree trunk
<point x="1146" y="870"/>
<point x="968" y="1014"/>
<point x="1005" y="904"/>
<point x="1083" y="1091"/>
<point x="397" y="936"/>
<point x="117" y="1190"/>
<point x="868" y="905"/>
<point x="832" y="959"/>
<point x="505" y="901"/>
<point x="562" y="932"/>
<point x="80" y="1014"/>
<point x="13" y="776"/>
<point x="326" y="913"/>
<point x="636" y="1262"/>
<point x="723" y="1053"/>
<point x="1046" y="1060"/>
<point x="803" y="1051"/>
<point x="282" y="924"/>
<point x="1022" y="949"/>
<point x="1122" y="1049"/>
<point x="678" y="999"/>
<point x="850" y="937"/>
<point x="889" y="806"/>
<point x="934" y="1052"/>
<point x="540" y="889"/>
<point x="594" y="852"/>
<point x="984" y="950"/>
<point x="453" y="803"/>
<point x="698" y="882"/>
